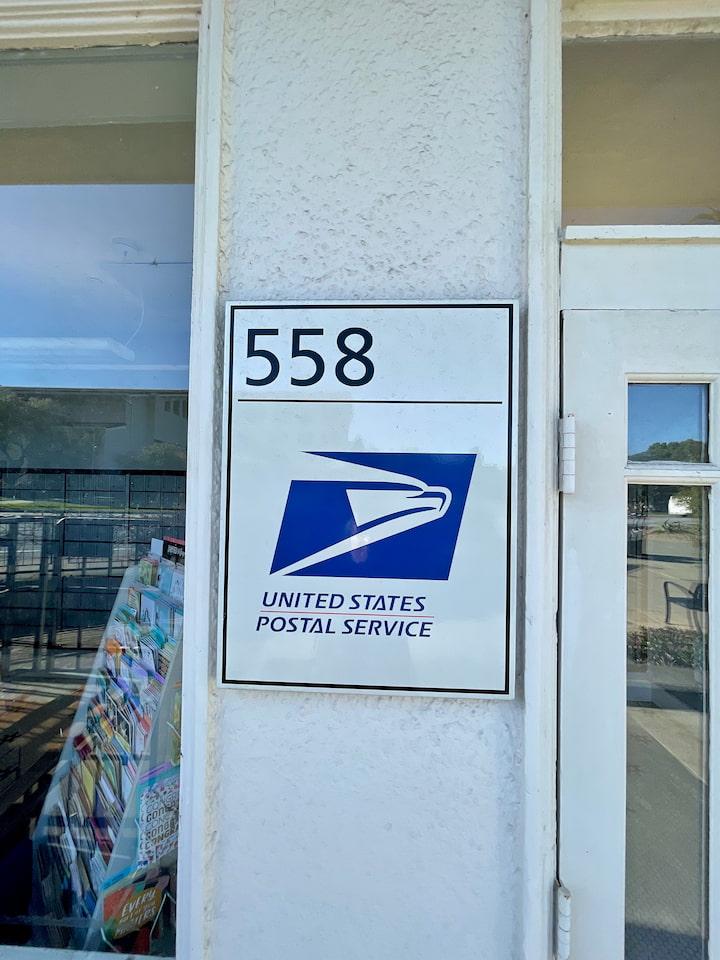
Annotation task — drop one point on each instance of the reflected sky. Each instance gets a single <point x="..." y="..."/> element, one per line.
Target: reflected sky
<point x="666" y="413"/>
<point x="95" y="285"/>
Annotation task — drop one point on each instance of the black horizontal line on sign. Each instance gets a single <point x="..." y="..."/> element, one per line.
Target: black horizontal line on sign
<point x="471" y="403"/>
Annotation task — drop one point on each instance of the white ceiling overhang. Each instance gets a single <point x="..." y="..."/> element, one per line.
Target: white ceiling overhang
<point x="588" y="19"/>
<point x="33" y="24"/>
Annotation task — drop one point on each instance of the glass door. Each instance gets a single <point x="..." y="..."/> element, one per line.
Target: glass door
<point x="638" y="635"/>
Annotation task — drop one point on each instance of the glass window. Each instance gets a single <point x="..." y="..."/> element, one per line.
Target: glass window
<point x="96" y="220"/>
<point x="667" y="723"/>
<point x="668" y="422"/>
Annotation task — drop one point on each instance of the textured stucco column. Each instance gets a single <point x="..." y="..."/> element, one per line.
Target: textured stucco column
<point x="371" y="150"/>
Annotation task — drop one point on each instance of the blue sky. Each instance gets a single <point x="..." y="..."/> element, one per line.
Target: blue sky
<point x="662" y="412"/>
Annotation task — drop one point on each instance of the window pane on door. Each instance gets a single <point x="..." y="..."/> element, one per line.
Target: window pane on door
<point x="667" y="723"/>
<point x="668" y="422"/>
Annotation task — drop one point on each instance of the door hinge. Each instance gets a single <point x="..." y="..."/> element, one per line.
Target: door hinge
<point x="566" y="454"/>
<point x="563" y="918"/>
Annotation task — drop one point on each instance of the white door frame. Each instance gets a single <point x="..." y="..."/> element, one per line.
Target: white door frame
<point x="650" y="269"/>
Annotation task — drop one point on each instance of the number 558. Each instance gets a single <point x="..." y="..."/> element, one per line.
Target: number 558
<point x="357" y="360"/>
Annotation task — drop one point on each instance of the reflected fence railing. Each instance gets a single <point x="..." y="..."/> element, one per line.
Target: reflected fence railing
<point x="66" y="538"/>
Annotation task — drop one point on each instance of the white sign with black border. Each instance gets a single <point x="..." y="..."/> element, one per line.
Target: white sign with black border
<point x="369" y="486"/>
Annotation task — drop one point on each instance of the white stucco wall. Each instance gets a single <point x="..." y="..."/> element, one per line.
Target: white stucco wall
<point x="374" y="149"/>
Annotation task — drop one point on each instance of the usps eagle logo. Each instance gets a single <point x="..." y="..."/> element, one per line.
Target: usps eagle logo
<point x="374" y="515"/>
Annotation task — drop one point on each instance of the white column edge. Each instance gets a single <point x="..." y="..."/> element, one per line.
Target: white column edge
<point x="542" y="363"/>
<point x="196" y="843"/>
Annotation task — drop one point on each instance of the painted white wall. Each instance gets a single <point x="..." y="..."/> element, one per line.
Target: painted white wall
<point x="630" y="111"/>
<point x="370" y="150"/>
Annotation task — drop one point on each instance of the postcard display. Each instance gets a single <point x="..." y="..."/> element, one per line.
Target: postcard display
<point x="105" y="846"/>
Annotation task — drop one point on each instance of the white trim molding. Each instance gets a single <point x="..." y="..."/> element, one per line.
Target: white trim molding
<point x="197" y="838"/>
<point x="33" y="24"/>
<point x="597" y="19"/>
<point x="542" y="403"/>
<point x="640" y="267"/>
<point x="651" y="233"/>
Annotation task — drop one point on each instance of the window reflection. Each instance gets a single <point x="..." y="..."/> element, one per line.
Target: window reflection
<point x="95" y="282"/>
<point x="667" y="683"/>
<point x="668" y="422"/>
<point x="87" y="480"/>
<point x="95" y="287"/>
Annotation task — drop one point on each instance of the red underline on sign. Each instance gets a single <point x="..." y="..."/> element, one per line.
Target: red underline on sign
<point x="346" y="613"/>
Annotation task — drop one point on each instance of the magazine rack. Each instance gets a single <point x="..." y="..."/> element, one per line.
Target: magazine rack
<point x="105" y="845"/>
